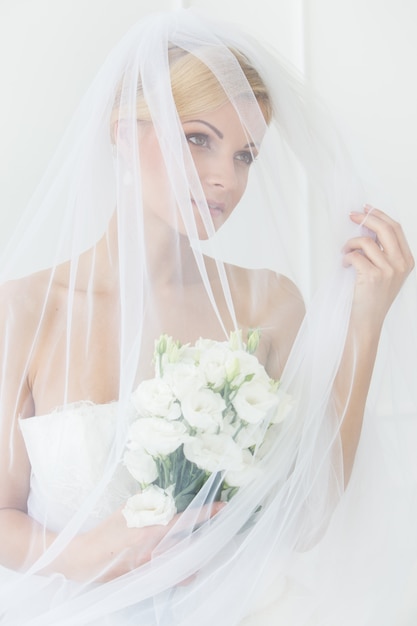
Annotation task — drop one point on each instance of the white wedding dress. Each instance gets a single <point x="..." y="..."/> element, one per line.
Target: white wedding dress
<point x="68" y="450"/>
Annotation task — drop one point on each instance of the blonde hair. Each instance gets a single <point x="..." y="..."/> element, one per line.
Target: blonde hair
<point x="195" y="88"/>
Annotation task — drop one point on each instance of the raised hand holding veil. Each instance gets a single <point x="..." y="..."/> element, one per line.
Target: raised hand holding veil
<point x="176" y="207"/>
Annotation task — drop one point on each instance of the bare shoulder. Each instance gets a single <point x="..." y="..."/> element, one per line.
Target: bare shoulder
<point x="286" y="311"/>
<point x="284" y="294"/>
<point x="23" y="297"/>
<point x="267" y="293"/>
<point x="281" y="285"/>
<point x="26" y="301"/>
<point x="20" y="310"/>
<point x="272" y="303"/>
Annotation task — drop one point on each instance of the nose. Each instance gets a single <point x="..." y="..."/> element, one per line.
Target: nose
<point x="222" y="173"/>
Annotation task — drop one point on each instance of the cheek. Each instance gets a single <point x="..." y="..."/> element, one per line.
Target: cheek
<point x="150" y="156"/>
<point x="151" y="162"/>
<point x="242" y="183"/>
<point x="153" y="172"/>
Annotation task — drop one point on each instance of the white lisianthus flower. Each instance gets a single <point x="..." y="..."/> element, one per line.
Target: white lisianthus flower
<point x="155" y="398"/>
<point x="157" y="436"/>
<point x="203" y="409"/>
<point x="152" y="506"/>
<point x="249" y="471"/>
<point x="141" y="465"/>
<point x="213" y="453"/>
<point x="203" y="344"/>
<point x="254" y="401"/>
<point x="246" y="435"/>
<point x="250" y="366"/>
<point x="216" y="363"/>
<point x="183" y="379"/>
<point x="189" y="354"/>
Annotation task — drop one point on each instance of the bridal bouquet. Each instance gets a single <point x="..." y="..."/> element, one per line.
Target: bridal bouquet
<point x="204" y="415"/>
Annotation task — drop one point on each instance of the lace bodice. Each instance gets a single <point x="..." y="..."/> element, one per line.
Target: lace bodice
<point x="68" y="450"/>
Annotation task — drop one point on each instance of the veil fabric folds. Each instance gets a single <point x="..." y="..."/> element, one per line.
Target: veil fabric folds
<point x="141" y="229"/>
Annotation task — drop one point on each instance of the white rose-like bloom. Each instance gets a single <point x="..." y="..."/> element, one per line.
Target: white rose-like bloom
<point x="249" y="471"/>
<point x="214" y="453"/>
<point x="216" y="362"/>
<point x="189" y="354"/>
<point x="152" y="506"/>
<point x="254" y="401"/>
<point x="157" y="436"/>
<point x="155" y="398"/>
<point x="141" y="465"/>
<point x="249" y="365"/>
<point x="246" y="435"/>
<point x="202" y="344"/>
<point x="183" y="378"/>
<point x="203" y="409"/>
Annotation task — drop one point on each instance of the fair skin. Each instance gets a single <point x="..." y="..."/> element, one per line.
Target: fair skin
<point x="222" y="157"/>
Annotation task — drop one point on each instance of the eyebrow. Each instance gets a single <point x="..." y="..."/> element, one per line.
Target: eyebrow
<point x="213" y="128"/>
<point x="218" y="132"/>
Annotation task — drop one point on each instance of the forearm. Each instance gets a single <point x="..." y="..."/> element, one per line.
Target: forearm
<point x="24" y="541"/>
<point x="103" y="553"/>
<point x="352" y="386"/>
<point x="382" y="263"/>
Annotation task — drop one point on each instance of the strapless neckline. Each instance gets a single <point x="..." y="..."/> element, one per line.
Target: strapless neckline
<point x="69" y="451"/>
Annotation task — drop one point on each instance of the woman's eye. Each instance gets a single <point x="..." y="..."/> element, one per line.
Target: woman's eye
<point x="198" y="139"/>
<point x="246" y="157"/>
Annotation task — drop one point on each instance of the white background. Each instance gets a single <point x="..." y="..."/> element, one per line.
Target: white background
<point x="360" y="54"/>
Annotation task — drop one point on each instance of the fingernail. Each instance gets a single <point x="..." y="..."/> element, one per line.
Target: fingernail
<point x="368" y="208"/>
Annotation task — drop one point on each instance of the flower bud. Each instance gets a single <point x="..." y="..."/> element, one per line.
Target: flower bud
<point x="232" y="368"/>
<point x="173" y="350"/>
<point x="254" y="336"/>
<point x="235" y="339"/>
<point x="161" y="344"/>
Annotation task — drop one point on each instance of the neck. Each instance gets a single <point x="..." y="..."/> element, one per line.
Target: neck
<point x="169" y="256"/>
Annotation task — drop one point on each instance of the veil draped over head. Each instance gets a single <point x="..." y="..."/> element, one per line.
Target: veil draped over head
<point x="143" y="233"/>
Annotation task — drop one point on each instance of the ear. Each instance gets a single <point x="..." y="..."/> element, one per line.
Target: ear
<point x="122" y="134"/>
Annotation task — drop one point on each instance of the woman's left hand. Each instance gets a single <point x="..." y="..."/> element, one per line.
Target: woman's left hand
<point x="382" y="264"/>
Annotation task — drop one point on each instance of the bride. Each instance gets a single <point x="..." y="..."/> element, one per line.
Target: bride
<point x="174" y="210"/>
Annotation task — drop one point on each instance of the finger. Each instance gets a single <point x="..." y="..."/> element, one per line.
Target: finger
<point x="190" y="520"/>
<point x="389" y="233"/>
<point x="384" y="231"/>
<point x="362" y="251"/>
<point x="373" y="214"/>
<point x="359" y="262"/>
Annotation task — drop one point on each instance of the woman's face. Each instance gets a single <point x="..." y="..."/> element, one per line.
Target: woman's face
<point x="222" y="155"/>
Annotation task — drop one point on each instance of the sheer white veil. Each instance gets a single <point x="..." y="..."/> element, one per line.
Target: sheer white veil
<point x="291" y="544"/>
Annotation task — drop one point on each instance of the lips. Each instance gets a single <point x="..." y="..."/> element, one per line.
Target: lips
<point x="215" y="208"/>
